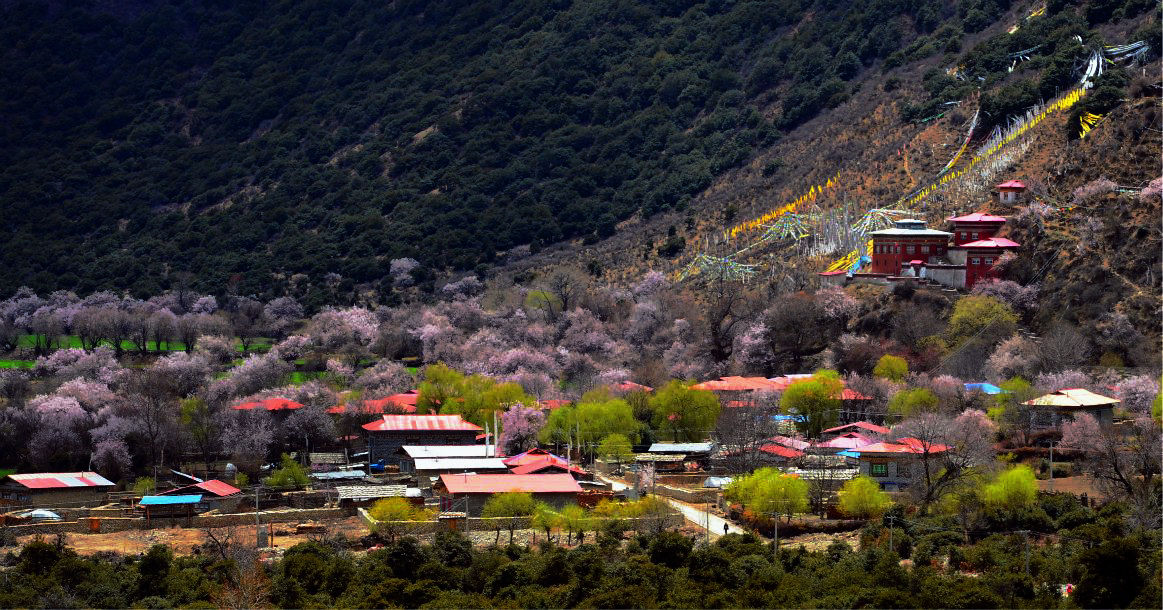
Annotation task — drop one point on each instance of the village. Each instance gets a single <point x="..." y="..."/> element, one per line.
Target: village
<point x="411" y="469"/>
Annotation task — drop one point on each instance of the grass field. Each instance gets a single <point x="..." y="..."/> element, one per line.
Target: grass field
<point x="17" y="364"/>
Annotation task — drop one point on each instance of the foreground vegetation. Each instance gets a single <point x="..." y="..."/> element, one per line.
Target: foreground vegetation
<point x="1108" y="565"/>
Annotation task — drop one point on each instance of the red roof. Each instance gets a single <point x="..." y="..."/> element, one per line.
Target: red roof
<point x="993" y="242"/>
<point x="553" y="403"/>
<point x="630" y="386"/>
<point x="53" y="480"/>
<point x="903" y="445"/>
<point x="528" y="456"/>
<point x="978" y="217"/>
<point x="851" y="440"/>
<point x="781" y="451"/>
<point x="269" y="404"/>
<point x="738" y="384"/>
<point x="502" y="483"/>
<point x="213" y="487"/>
<point x="859" y="424"/>
<point x="405" y="402"/>
<point x="544" y="462"/>
<point x="421" y="422"/>
<point x="1012" y="184"/>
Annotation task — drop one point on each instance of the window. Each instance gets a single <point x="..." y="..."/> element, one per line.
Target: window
<point x="879" y="470"/>
<point x="909" y="249"/>
<point x="975" y="235"/>
<point x="975" y="261"/>
<point x="924" y="249"/>
<point x="989" y="261"/>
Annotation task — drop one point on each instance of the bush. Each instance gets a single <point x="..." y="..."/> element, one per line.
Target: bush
<point x="289" y="474"/>
<point x="891" y="367"/>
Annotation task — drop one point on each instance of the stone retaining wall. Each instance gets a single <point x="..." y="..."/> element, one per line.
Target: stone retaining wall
<point x="106" y="525"/>
<point x="696" y="496"/>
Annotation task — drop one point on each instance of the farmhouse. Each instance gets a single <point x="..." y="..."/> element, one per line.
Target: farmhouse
<point x="1055" y="408"/>
<point x="55" y="489"/>
<point x="893" y="465"/>
<point x="554" y="489"/>
<point x="214" y="494"/>
<point x="391" y="432"/>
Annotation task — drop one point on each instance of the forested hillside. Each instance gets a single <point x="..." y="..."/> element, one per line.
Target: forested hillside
<point x="243" y="143"/>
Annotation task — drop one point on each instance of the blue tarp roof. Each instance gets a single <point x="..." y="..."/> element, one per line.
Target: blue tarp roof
<point x="788" y="417"/>
<point x="849" y="453"/>
<point x="162" y="500"/>
<point x="988" y="388"/>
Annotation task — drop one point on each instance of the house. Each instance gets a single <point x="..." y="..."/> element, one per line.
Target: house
<point x="269" y="404"/>
<point x="774" y="453"/>
<point x="974" y="227"/>
<point x="980" y="258"/>
<point x="214" y="494"/>
<point x="396" y="403"/>
<point x="861" y="427"/>
<point x="557" y="490"/>
<point x="169" y="507"/>
<point x="391" y="432"/>
<point x="367" y="495"/>
<point x="907" y="240"/>
<point x="1010" y="191"/>
<point x="699" y="453"/>
<point x="894" y="465"/>
<point x="428" y="469"/>
<point x="55" y="489"/>
<point x="1055" y="408"/>
<point x="540" y="461"/>
<point x="848" y="440"/>
<point x="410" y="453"/>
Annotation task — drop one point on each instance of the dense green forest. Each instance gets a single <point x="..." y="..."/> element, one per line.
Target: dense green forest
<point x="245" y="142"/>
<point x="1059" y="543"/>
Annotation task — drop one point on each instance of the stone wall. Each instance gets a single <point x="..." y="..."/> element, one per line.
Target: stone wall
<point x="695" y="496"/>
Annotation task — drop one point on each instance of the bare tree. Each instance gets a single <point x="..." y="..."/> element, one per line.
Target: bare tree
<point x="89" y="327"/>
<point x="1062" y="347"/>
<point x="1125" y="462"/>
<point x="561" y="292"/>
<point x="118" y="327"/>
<point x="162" y="328"/>
<point x="949" y="449"/>
<point x="246" y="320"/>
<point x="152" y="401"/>
<point x="741" y="431"/>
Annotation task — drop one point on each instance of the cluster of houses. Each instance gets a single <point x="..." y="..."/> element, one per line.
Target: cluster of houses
<point x="957" y="259"/>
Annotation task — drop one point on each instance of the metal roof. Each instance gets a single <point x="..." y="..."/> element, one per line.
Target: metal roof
<point x="992" y="242"/>
<point x="659" y="457"/>
<point x="503" y="483"/>
<point x="859" y="424"/>
<point x="1012" y="184"/>
<point x="170" y="500"/>
<point x="54" y="480"/>
<point x="421" y="423"/>
<point x="419" y="452"/>
<point x="681" y="448"/>
<point x="543" y="462"/>
<point x="910" y="233"/>
<point x="461" y="463"/>
<point x="1073" y="398"/>
<point x="338" y="475"/>
<point x="977" y="217"/>
<point x="214" y="487"/>
<point x="987" y="388"/>
<point x="269" y="404"/>
<point x="367" y="492"/>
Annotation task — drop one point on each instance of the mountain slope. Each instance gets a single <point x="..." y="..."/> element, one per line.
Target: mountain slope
<point x="259" y="144"/>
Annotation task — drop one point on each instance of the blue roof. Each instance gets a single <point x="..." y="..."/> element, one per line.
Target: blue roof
<point x="787" y="417"/>
<point x="988" y="388"/>
<point x="162" y="500"/>
<point x="849" y="453"/>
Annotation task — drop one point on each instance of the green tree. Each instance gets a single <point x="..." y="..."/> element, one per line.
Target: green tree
<point x="144" y="485"/>
<point x="862" y="498"/>
<point x="688" y="413"/>
<point x="391" y="513"/>
<point x="981" y="318"/>
<point x="769" y="491"/>
<point x="289" y="474"/>
<point x="615" y="447"/>
<point x="913" y="401"/>
<point x="816" y="400"/>
<point x="1012" y="489"/>
<point x="590" y="422"/>
<point x="1013" y="415"/>
<point x="474" y="397"/>
<point x="508" y="508"/>
<point x="891" y="367"/>
<point x="547" y="519"/>
<point x="573" y="519"/>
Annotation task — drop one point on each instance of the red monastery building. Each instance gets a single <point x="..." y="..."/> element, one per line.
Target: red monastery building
<point x="910" y="251"/>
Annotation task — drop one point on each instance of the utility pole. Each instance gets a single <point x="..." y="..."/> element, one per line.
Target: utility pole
<point x="1051" y="466"/>
<point x="775" y="537"/>
<point x="890" y="518"/>
<point x="1026" y="544"/>
<point x="257" y="535"/>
